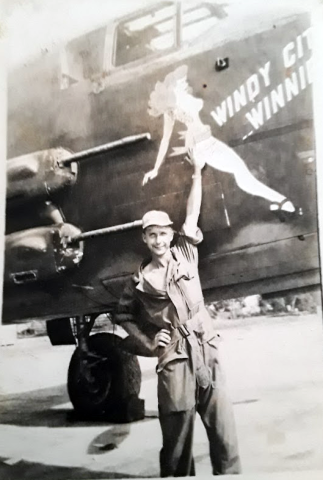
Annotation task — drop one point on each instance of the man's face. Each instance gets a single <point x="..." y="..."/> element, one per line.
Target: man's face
<point x="158" y="239"/>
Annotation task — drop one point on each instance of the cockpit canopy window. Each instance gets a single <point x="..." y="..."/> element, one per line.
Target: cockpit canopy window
<point x="198" y="18"/>
<point x="160" y="29"/>
<point x="154" y="32"/>
<point x="145" y="35"/>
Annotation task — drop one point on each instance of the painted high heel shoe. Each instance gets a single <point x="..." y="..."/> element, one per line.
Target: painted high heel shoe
<point x="284" y="215"/>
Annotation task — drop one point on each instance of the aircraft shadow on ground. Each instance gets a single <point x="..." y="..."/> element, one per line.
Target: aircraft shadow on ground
<point x="31" y="470"/>
<point x="35" y="408"/>
<point x="41" y="408"/>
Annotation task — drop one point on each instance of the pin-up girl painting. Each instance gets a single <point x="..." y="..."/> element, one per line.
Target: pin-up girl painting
<point x="173" y="99"/>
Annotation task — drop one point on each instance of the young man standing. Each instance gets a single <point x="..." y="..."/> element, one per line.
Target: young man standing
<point x="162" y="308"/>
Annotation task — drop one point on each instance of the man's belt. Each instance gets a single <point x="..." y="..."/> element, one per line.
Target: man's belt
<point x="201" y="370"/>
<point x="191" y="326"/>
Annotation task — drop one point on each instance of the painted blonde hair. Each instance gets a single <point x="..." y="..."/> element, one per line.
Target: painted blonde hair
<point x="163" y="98"/>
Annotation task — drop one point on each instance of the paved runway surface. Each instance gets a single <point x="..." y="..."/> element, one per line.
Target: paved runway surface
<point x="274" y="371"/>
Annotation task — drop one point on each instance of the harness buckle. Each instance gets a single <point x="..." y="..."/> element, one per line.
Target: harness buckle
<point x="183" y="330"/>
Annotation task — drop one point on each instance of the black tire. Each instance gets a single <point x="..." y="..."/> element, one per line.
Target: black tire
<point x="114" y="377"/>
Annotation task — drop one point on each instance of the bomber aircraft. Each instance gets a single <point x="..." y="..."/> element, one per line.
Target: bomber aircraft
<point x="98" y="132"/>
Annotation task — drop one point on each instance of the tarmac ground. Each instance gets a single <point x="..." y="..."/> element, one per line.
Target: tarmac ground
<point x="274" y="373"/>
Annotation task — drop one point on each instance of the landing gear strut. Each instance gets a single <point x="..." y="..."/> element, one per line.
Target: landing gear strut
<point x="103" y="381"/>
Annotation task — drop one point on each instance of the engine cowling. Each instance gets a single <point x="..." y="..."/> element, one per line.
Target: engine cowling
<point x="39" y="174"/>
<point x="41" y="253"/>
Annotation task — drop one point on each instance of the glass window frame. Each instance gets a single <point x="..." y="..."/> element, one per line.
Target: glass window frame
<point x="153" y="55"/>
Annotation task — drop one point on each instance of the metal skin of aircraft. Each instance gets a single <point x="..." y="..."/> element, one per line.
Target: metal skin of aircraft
<point x="170" y="77"/>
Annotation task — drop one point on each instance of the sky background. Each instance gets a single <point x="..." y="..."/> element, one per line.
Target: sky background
<point x="33" y="27"/>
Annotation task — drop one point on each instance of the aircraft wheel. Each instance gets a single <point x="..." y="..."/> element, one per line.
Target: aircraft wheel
<point x="104" y="381"/>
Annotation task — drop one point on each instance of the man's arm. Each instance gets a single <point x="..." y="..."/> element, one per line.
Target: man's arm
<point x="140" y="343"/>
<point x="195" y="197"/>
<point x="127" y="316"/>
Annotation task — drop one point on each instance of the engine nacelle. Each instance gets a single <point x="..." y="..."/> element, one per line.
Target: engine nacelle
<point x="39" y="174"/>
<point x="41" y="253"/>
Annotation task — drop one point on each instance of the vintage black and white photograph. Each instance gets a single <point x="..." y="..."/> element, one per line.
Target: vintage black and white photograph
<point x="161" y="297"/>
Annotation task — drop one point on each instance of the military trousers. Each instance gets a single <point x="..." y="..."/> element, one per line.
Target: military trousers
<point x="183" y="391"/>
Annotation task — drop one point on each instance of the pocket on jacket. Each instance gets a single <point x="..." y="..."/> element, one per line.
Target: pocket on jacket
<point x="214" y="341"/>
<point x="170" y="356"/>
<point x="211" y="355"/>
<point x="176" y="384"/>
